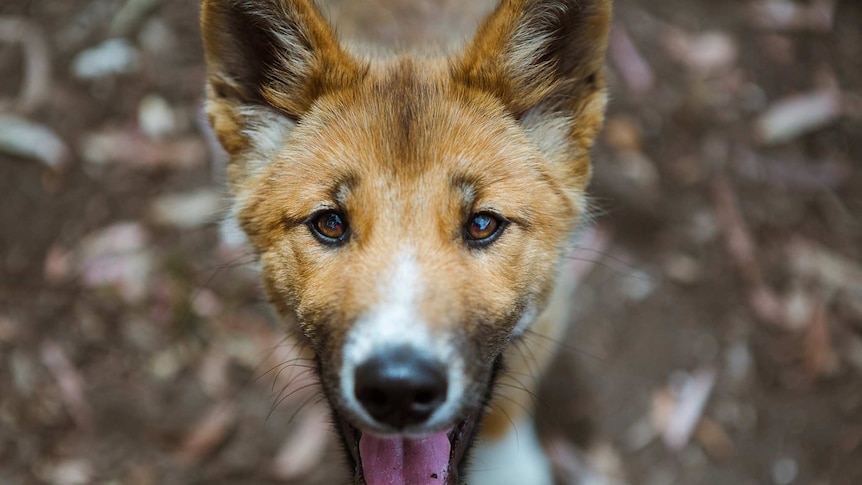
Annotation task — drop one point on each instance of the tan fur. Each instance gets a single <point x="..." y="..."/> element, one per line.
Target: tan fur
<point x="409" y="147"/>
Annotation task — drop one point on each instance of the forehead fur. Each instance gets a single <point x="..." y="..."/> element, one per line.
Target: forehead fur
<point x="409" y="125"/>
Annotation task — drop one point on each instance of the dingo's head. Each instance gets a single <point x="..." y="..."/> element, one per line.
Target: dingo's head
<point x="410" y="212"/>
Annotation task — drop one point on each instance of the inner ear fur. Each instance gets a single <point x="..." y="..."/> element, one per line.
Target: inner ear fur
<point x="545" y="54"/>
<point x="281" y="52"/>
<point x="267" y="62"/>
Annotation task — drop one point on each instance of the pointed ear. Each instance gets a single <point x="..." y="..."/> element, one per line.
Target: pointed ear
<point x="543" y="57"/>
<point x="267" y="62"/>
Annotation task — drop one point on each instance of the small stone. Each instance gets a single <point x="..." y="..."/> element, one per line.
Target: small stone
<point x="70" y="472"/>
<point x="799" y="308"/>
<point x="639" y="169"/>
<point x="639" y="435"/>
<point x="156" y="117"/>
<point x="165" y="364"/>
<point x="637" y="286"/>
<point x="784" y="471"/>
<point x="738" y="363"/>
<point x="112" y="57"/>
<point x="683" y="268"/>
<point x="623" y="133"/>
<point x="117" y="257"/>
<point x="157" y="38"/>
<point x="8" y="329"/>
<point x="703" y="227"/>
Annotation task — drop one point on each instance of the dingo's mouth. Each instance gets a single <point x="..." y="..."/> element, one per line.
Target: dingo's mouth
<point x="401" y="459"/>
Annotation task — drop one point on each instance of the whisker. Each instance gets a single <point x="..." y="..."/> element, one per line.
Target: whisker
<point x="565" y="346"/>
<point x="306" y="368"/>
<point x="605" y="254"/>
<point x="282" y="365"/>
<point x="278" y="403"/>
<point x="515" y="402"/>
<point x="521" y="347"/>
<point x="633" y="274"/>
<point x="292" y="379"/>
<point x="511" y="421"/>
<point x="317" y="398"/>
<point x="520" y="387"/>
<point x="216" y="269"/>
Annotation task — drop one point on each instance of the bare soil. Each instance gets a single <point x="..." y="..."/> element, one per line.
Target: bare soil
<point x="715" y="254"/>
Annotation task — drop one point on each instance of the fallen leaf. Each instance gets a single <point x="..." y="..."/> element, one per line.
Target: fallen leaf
<point x="117" y="257"/>
<point x="591" y="248"/>
<point x="784" y="471"/>
<point x="819" y="354"/>
<point x="714" y="440"/>
<point x="634" y="69"/>
<point x="70" y="472"/>
<point x="799" y="307"/>
<point x="208" y="433"/>
<point x="832" y="271"/>
<point x="26" y="139"/>
<point x="640" y="172"/>
<point x="130" y="15"/>
<point x="36" y="86"/>
<point x="70" y="382"/>
<point x="136" y="151"/>
<point x="189" y="210"/>
<point x="852" y="352"/>
<point x="804" y="175"/>
<point x="704" y="53"/>
<point x="600" y="465"/>
<point x="304" y="449"/>
<point x="793" y="117"/>
<point x="156" y="117"/>
<point x="815" y="16"/>
<point x="8" y="329"/>
<point x="58" y="264"/>
<point x="663" y="403"/>
<point x="683" y="268"/>
<point x="213" y="373"/>
<point x="157" y="39"/>
<point x="681" y="413"/>
<point x="111" y="57"/>
<point x="622" y="133"/>
<point x="743" y="253"/>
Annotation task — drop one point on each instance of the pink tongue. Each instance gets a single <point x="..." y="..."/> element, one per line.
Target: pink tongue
<point x="400" y="460"/>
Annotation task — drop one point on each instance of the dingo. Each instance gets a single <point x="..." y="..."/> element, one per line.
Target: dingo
<point x="411" y="212"/>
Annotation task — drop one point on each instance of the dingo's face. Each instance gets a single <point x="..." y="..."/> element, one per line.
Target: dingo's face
<point x="410" y="212"/>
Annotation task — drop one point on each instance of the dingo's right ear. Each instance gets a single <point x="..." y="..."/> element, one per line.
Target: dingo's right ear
<point x="267" y="61"/>
<point x="544" y="59"/>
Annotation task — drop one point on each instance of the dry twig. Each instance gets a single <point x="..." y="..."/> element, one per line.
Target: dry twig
<point x="37" y="62"/>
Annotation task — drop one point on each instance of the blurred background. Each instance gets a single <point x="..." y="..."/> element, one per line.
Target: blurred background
<point x="718" y="336"/>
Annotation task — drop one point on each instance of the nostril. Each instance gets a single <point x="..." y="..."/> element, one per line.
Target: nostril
<point x="400" y="387"/>
<point x="372" y="397"/>
<point x="425" y="397"/>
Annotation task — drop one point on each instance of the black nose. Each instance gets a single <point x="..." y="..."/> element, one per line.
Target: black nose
<point x="400" y="387"/>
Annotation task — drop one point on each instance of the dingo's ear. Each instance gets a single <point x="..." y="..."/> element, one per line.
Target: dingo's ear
<point x="543" y="57"/>
<point x="268" y="61"/>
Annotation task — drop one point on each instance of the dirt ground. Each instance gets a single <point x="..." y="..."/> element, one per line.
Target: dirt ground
<point x="718" y="337"/>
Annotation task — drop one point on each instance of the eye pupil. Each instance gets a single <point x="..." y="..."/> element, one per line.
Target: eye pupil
<point x="480" y="224"/>
<point x="483" y="228"/>
<point x="330" y="225"/>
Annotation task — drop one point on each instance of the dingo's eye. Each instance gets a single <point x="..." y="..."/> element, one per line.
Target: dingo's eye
<point x="483" y="228"/>
<point x="329" y="227"/>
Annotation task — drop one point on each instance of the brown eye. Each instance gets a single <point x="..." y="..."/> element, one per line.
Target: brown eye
<point x="330" y="227"/>
<point x="483" y="228"/>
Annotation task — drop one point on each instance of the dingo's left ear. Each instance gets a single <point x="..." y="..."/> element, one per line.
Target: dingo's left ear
<point x="267" y="62"/>
<point x="545" y="60"/>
